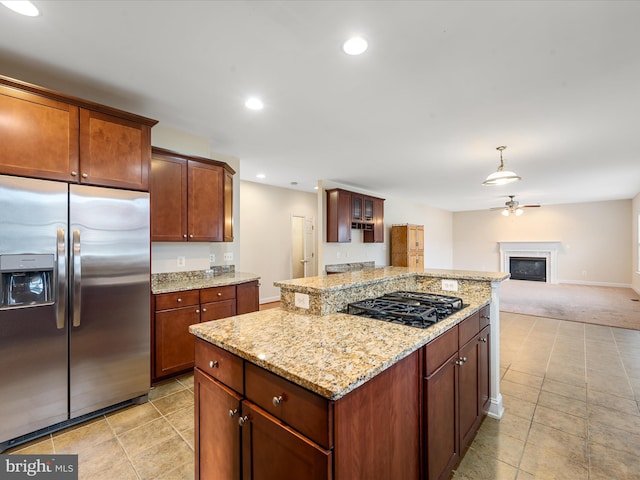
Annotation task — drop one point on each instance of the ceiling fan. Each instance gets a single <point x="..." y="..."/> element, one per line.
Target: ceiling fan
<point x="513" y="207"/>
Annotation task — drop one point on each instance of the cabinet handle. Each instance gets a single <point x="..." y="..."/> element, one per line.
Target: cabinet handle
<point x="84" y="175"/>
<point x="74" y="173"/>
<point x="197" y="310"/>
<point x="191" y="236"/>
<point x="213" y="363"/>
<point x="483" y="340"/>
<point x="233" y="413"/>
<point x="277" y="400"/>
<point x="463" y="359"/>
<point x="204" y="309"/>
<point x="219" y="294"/>
<point x="458" y="362"/>
<point x="179" y="300"/>
<point x="184" y="236"/>
<point x="243" y="420"/>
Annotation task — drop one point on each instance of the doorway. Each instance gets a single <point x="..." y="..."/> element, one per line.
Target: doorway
<point x="303" y="262"/>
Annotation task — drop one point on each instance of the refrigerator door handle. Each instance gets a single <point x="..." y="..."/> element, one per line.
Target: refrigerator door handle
<point x="77" y="276"/>
<point x="61" y="310"/>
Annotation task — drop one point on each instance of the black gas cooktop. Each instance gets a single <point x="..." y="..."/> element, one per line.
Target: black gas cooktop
<point x="415" y="309"/>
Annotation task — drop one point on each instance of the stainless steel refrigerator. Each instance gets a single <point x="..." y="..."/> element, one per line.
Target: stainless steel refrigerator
<point x="74" y="303"/>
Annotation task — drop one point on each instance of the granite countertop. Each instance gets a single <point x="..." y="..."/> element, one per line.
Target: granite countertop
<point x="179" y="282"/>
<point x="382" y="274"/>
<point x="330" y="355"/>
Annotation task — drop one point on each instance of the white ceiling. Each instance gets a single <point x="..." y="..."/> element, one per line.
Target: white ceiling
<point x="418" y="116"/>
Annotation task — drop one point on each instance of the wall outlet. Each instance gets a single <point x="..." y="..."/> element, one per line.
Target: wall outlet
<point x="301" y="300"/>
<point x="450" y="285"/>
<point x="228" y="256"/>
<point x="212" y="258"/>
<point x="181" y="261"/>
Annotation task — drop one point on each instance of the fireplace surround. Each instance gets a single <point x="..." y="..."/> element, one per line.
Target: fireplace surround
<point x="543" y="250"/>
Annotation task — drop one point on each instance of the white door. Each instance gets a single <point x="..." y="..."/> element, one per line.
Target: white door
<point x="302" y="247"/>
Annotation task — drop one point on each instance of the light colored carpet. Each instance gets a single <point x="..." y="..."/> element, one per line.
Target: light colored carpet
<point x="611" y="306"/>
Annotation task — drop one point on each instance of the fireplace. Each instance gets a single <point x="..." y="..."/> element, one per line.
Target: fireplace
<point x="528" y="268"/>
<point x="542" y="258"/>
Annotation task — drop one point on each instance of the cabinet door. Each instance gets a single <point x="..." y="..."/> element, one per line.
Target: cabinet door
<point x="114" y="152"/>
<point x="273" y="451"/>
<point x="173" y="343"/>
<point x="357" y="208"/>
<point x="41" y="138"/>
<point x="468" y="394"/>
<point x="168" y="199"/>
<point x="368" y="203"/>
<point x="338" y="216"/>
<point x="218" y="310"/>
<point x="416" y="237"/>
<point x="205" y="205"/>
<point x="376" y="235"/>
<point x="217" y="433"/>
<point x="247" y="297"/>
<point x="484" y="373"/>
<point x="228" y="206"/>
<point x="440" y="417"/>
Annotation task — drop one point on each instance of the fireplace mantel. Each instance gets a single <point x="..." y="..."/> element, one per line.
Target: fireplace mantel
<point x="548" y="250"/>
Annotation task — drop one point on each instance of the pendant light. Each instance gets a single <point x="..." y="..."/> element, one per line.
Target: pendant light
<point x="501" y="176"/>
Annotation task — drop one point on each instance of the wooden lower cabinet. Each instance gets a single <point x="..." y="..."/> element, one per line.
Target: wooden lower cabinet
<point x="172" y="345"/>
<point x="271" y="450"/>
<point x="290" y="433"/>
<point x="217" y="409"/>
<point x="456" y="394"/>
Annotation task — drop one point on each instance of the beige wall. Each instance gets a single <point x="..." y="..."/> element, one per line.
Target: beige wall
<point x="164" y="255"/>
<point x="265" y="231"/>
<point x="635" y="244"/>
<point x="596" y="239"/>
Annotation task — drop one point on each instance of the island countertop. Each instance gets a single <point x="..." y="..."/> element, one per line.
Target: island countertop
<point x="330" y="355"/>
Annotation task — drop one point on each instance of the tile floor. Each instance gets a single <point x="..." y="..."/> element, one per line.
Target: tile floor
<point x="571" y="393"/>
<point x="570" y="390"/>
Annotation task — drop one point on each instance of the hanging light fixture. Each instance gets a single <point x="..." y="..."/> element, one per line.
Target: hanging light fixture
<point x="501" y="176"/>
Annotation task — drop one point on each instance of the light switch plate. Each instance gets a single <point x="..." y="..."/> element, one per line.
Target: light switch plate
<point x="181" y="261"/>
<point x="450" y="285"/>
<point x="228" y="256"/>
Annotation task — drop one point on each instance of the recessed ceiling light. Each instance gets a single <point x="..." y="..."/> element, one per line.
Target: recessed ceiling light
<point x="23" y="7"/>
<point x="261" y="175"/>
<point x="355" y="46"/>
<point x="254" y="103"/>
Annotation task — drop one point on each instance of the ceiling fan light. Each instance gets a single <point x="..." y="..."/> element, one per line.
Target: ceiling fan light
<point x="519" y="212"/>
<point x="505" y="212"/>
<point x="501" y="177"/>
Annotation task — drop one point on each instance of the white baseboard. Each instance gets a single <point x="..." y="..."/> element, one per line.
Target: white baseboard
<point x="595" y="284"/>
<point x="269" y="299"/>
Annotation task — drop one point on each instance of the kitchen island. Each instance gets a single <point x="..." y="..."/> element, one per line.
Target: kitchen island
<point x="339" y="395"/>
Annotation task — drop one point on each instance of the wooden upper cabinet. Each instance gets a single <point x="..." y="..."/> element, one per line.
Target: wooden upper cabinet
<point x="347" y="210"/>
<point x="114" y="152"/>
<point x="168" y="199"/>
<point x="205" y="208"/>
<point x="191" y="198"/>
<point x="39" y="136"/>
<point x="50" y="135"/>
<point x="339" y="212"/>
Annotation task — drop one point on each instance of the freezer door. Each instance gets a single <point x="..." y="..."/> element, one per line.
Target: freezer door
<point x="109" y="297"/>
<point x="33" y="334"/>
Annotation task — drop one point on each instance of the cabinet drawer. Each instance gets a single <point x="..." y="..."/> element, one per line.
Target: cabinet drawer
<point x="217" y="294"/>
<point x="165" y="301"/>
<point x="303" y="410"/>
<point x="468" y="328"/>
<point x="484" y="317"/>
<point x="440" y="350"/>
<point x="220" y="364"/>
